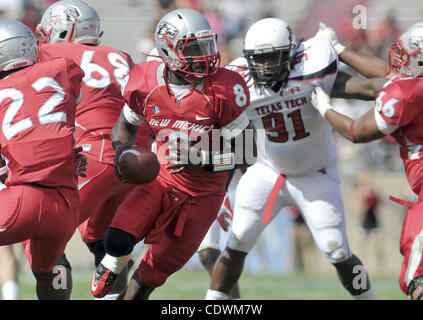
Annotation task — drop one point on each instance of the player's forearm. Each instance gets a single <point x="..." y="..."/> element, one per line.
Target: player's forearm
<point x="340" y="123"/>
<point x="124" y="132"/>
<point x="368" y="66"/>
<point x="349" y="87"/>
<point x="362" y="131"/>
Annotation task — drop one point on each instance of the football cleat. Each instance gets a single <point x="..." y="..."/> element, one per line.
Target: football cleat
<point x="103" y="281"/>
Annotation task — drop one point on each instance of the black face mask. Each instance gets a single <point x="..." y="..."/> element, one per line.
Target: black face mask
<point x="272" y="68"/>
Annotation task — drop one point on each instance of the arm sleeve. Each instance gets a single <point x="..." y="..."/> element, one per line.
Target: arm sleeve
<point x="131" y="116"/>
<point x="383" y="125"/>
<point x="391" y="103"/>
<point x="133" y="95"/>
<point x="332" y="63"/>
<point x="74" y="75"/>
<point x="317" y="63"/>
<point x="234" y="98"/>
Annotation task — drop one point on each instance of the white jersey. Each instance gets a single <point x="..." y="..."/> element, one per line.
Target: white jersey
<point x="298" y="140"/>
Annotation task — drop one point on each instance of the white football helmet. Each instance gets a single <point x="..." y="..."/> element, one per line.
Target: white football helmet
<point x="70" y="21"/>
<point x="187" y="44"/>
<point x="406" y="55"/>
<point x="270" y="49"/>
<point x="18" y="45"/>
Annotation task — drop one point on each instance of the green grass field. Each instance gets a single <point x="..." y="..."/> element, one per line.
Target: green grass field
<point x="192" y="285"/>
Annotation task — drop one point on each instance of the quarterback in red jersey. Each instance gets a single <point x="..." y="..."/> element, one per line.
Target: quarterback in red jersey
<point x="40" y="204"/>
<point x="71" y="28"/>
<point x="190" y="104"/>
<point x="397" y="113"/>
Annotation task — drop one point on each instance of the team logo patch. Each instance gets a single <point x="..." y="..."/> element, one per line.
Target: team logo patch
<point x="155" y="109"/>
<point x="416" y="43"/>
<point x="63" y="16"/>
<point x="165" y="28"/>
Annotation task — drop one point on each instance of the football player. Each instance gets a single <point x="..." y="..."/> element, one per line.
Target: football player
<point x="40" y="204"/>
<point x="396" y="113"/>
<point x="209" y="251"/>
<point x="182" y="99"/>
<point x="71" y="28"/>
<point x="296" y="165"/>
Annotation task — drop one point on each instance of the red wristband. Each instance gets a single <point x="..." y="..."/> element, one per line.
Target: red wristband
<point x="352" y="132"/>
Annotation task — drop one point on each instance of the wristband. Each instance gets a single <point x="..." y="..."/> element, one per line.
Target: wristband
<point x="221" y="162"/>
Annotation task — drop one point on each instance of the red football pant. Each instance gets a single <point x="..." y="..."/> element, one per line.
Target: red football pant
<point x="101" y="193"/>
<point x="139" y="216"/>
<point x="411" y="245"/>
<point x="41" y="219"/>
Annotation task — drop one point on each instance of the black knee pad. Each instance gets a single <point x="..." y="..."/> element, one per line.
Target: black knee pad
<point x="118" y="243"/>
<point x="64" y="262"/>
<point x="97" y="249"/>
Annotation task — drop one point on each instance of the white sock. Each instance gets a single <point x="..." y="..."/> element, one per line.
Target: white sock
<point x="10" y="290"/>
<point x="216" y="295"/>
<point x="368" y="295"/>
<point x="112" y="296"/>
<point x="115" y="264"/>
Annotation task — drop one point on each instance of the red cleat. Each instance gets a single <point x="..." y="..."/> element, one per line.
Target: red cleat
<point x="103" y="281"/>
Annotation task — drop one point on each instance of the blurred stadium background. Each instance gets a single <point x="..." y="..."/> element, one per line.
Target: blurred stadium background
<point x="285" y="263"/>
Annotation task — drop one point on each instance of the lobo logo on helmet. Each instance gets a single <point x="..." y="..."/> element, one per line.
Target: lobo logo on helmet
<point x="65" y="16"/>
<point x="166" y="28"/>
<point x="416" y="43"/>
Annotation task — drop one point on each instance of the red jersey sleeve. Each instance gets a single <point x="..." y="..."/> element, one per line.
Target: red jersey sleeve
<point x="135" y="90"/>
<point x="74" y="75"/>
<point x="233" y="97"/>
<point x="397" y="104"/>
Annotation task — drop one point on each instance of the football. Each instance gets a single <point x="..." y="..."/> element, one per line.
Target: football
<point x="138" y="165"/>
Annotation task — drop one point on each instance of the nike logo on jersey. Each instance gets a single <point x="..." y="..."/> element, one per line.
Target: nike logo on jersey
<point x="3" y="229"/>
<point x="201" y="118"/>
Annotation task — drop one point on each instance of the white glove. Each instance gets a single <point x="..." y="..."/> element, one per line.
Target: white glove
<point x="321" y="101"/>
<point x="330" y="34"/>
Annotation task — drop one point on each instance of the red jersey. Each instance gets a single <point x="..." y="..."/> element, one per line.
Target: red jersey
<point x="105" y="70"/>
<point x="217" y="102"/>
<point x="37" y="112"/>
<point x="399" y="112"/>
